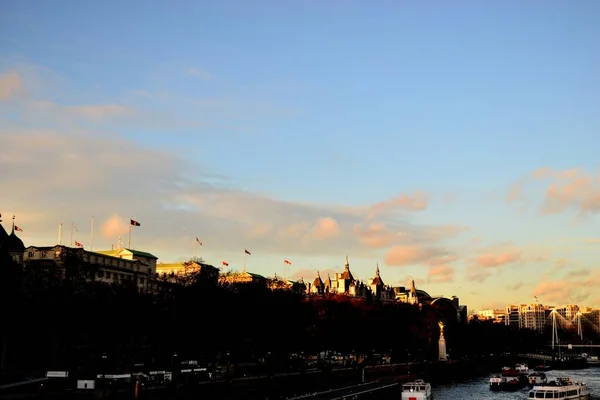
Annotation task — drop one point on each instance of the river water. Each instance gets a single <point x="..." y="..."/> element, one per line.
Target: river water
<point x="478" y="388"/>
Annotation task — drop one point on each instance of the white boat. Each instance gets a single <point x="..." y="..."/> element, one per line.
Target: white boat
<point x="519" y="369"/>
<point x="537" y="378"/>
<point x="417" y="390"/>
<point x="522" y="369"/>
<point x="560" y="388"/>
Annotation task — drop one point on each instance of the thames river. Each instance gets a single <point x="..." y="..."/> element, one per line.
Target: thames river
<point x="478" y="388"/>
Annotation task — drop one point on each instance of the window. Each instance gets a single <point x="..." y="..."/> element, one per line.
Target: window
<point x="31" y="254"/>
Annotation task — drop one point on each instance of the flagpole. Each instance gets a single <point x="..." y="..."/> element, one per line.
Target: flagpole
<point x="92" y="234"/>
<point x="72" y="226"/>
<point x="245" y="255"/>
<point x="129" y="242"/>
<point x="60" y="234"/>
<point x="195" y="246"/>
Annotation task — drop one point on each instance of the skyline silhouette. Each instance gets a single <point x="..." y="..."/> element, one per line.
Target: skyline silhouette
<point x="453" y="145"/>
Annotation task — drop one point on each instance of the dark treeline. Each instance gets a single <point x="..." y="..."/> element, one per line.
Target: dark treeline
<point x="51" y="321"/>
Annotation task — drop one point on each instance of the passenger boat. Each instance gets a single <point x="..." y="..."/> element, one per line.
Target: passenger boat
<point x="504" y="384"/>
<point x="417" y="390"/>
<point x="560" y="388"/>
<point x="537" y="378"/>
<point x="519" y="369"/>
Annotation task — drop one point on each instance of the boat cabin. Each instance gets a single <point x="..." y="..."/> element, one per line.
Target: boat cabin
<point x="417" y="390"/>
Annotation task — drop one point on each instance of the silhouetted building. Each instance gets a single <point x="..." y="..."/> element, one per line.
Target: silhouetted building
<point x="93" y="266"/>
<point x="203" y="271"/>
<point x="11" y="244"/>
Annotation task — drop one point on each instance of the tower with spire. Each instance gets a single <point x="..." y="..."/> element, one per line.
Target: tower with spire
<point x="377" y="284"/>
<point x="11" y="244"/>
<point x="318" y="287"/>
<point x="346" y="279"/>
<point x="413" y="297"/>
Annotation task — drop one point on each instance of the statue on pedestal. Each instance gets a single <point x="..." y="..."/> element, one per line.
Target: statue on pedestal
<point x="442" y="343"/>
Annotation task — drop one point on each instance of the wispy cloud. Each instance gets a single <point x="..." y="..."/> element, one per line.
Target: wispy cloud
<point x="199" y="73"/>
<point x="81" y="167"/>
<point x="569" y="189"/>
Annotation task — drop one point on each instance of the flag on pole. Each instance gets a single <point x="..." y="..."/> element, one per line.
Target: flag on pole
<point x="18" y="229"/>
<point x="198" y="240"/>
<point x="287" y="262"/>
<point x="78" y="244"/>
<point x="225" y="263"/>
<point x="247" y="252"/>
<point x="134" y="222"/>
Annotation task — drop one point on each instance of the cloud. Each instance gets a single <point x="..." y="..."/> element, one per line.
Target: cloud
<point x="487" y="261"/>
<point x="440" y="274"/>
<point x="592" y="241"/>
<point x="573" y="288"/>
<point x="515" y="286"/>
<point x="10" y="85"/>
<point x="582" y="272"/>
<point x="494" y="260"/>
<point x="69" y="162"/>
<point x="569" y="189"/>
<point x="326" y="228"/>
<point x="415" y="202"/>
<point x="412" y="255"/>
<point x="114" y="226"/>
<point x="199" y="73"/>
<point x="379" y="235"/>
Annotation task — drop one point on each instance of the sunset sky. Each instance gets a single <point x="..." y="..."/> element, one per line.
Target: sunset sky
<point x="454" y="143"/>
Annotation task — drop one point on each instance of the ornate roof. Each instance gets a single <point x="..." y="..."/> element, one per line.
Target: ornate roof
<point x="377" y="280"/>
<point x="347" y="275"/>
<point x="318" y="281"/>
<point x="10" y="243"/>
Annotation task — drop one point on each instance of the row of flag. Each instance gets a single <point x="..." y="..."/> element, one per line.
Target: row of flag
<point x="133" y="222"/>
<point x="16" y="227"/>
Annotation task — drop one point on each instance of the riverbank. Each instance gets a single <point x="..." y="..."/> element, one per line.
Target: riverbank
<point x="287" y="384"/>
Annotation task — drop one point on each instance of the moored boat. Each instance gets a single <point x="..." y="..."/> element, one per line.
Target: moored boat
<point x="537" y="378"/>
<point x="560" y="388"/>
<point x="519" y="369"/>
<point x="417" y="390"/>
<point x="504" y="384"/>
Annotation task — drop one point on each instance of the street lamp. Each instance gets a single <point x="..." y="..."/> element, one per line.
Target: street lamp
<point x="174" y="369"/>
<point x="104" y="358"/>
<point x="227" y="370"/>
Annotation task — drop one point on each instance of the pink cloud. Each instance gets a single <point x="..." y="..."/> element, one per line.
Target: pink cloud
<point x="494" y="260"/>
<point x="375" y="235"/>
<point x="260" y="230"/>
<point x="415" y="202"/>
<point x="11" y="85"/>
<point x="326" y="228"/>
<point x="578" y="287"/>
<point x="440" y="274"/>
<point x="113" y="227"/>
<point x="568" y="189"/>
<point x="411" y="255"/>
<point x="379" y="235"/>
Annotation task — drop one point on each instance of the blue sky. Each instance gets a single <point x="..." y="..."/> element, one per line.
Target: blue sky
<point x="239" y="120"/>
